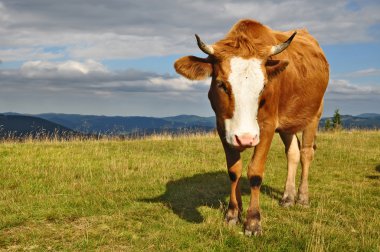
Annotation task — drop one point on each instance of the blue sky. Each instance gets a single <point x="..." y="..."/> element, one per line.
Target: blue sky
<point x="116" y="57"/>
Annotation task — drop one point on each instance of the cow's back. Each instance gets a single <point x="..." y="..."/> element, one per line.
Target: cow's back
<point x="301" y="87"/>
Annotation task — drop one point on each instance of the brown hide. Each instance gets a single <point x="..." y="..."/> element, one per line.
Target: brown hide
<point x="298" y="91"/>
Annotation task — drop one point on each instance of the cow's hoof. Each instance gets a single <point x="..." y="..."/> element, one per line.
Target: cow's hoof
<point x="303" y="200"/>
<point x="232" y="220"/>
<point x="252" y="227"/>
<point x="303" y="203"/>
<point x="255" y="231"/>
<point x="287" y="202"/>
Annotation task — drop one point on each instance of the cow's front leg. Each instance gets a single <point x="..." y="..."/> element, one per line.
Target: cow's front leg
<point x="234" y="166"/>
<point x="252" y="225"/>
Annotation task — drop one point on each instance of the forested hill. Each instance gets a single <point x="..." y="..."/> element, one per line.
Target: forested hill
<point x="362" y="121"/>
<point x="21" y="125"/>
<point x="30" y="126"/>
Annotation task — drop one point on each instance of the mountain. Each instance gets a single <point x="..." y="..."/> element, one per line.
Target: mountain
<point x="368" y="115"/>
<point x="15" y="126"/>
<point x="21" y="125"/>
<point x="193" y="120"/>
<point x="118" y="125"/>
<point x="362" y="121"/>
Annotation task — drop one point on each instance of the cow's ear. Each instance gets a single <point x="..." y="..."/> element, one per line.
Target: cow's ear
<point x="274" y="67"/>
<point x="193" y="68"/>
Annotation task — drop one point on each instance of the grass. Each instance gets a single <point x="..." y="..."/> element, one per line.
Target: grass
<point x="168" y="194"/>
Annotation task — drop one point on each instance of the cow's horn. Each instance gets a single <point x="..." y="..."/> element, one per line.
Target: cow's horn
<point x="207" y="49"/>
<point x="281" y="47"/>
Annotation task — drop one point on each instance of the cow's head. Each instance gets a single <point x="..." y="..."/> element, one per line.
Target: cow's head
<point x="239" y="70"/>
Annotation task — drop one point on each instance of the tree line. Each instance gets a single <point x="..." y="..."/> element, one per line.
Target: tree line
<point x="335" y="123"/>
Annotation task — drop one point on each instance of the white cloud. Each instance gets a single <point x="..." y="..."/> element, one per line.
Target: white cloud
<point x="87" y="87"/>
<point x="346" y="89"/>
<point x="92" y="77"/>
<point x="178" y="83"/>
<point x="365" y="73"/>
<point x="129" y="29"/>
<point x="27" y="53"/>
<point x="41" y="69"/>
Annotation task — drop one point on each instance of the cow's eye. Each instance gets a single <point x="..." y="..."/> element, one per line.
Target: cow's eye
<point x="222" y="86"/>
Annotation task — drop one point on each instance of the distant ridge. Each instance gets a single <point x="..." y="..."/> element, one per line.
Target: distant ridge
<point x="136" y="125"/>
<point x="129" y="125"/>
<point x="362" y="121"/>
<point x="193" y="120"/>
<point x="16" y="126"/>
<point x="114" y="125"/>
<point x="368" y="115"/>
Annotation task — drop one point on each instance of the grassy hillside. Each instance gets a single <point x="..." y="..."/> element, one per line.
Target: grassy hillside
<point x="169" y="195"/>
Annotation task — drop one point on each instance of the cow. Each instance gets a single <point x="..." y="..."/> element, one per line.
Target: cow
<point x="263" y="81"/>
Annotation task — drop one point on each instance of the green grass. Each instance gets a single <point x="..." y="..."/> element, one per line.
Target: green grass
<point x="169" y="195"/>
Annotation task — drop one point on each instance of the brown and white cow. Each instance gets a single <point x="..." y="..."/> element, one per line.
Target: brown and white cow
<point x="262" y="85"/>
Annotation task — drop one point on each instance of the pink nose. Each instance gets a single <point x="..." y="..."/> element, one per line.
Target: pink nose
<point x="246" y="140"/>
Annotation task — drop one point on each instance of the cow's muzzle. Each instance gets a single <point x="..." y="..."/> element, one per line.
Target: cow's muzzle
<point x="245" y="141"/>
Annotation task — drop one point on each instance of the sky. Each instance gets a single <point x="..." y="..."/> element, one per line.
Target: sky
<point x="116" y="57"/>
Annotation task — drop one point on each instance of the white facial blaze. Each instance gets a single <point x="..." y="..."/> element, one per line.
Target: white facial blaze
<point x="247" y="81"/>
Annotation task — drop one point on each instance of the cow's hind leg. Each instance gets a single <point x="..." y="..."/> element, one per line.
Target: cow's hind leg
<point x="234" y="165"/>
<point x="307" y="155"/>
<point x="292" y="151"/>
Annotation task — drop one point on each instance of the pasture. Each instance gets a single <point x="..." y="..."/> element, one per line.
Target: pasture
<point x="169" y="194"/>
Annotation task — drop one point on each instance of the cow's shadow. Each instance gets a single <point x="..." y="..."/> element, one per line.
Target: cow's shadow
<point x="186" y="195"/>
